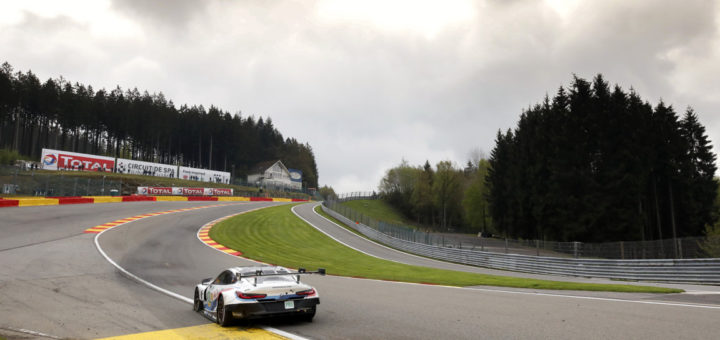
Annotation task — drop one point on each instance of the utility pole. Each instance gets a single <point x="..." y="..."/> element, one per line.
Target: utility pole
<point x="210" y="159"/>
<point x="672" y="219"/>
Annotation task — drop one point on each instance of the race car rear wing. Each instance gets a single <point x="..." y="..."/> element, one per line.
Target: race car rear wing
<point x="301" y="271"/>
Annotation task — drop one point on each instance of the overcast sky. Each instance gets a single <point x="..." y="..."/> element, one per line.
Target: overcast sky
<point x="371" y="82"/>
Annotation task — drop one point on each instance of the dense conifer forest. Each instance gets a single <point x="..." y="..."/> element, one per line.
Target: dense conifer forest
<point x="592" y="164"/>
<point x="59" y="114"/>
<point x="596" y="163"/>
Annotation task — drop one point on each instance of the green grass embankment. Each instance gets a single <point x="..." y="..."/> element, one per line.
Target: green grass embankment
<point x="379" y="210"/>
<point x="275" y="235"/>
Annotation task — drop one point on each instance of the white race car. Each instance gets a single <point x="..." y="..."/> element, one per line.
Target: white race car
<point x="258" y="291"/>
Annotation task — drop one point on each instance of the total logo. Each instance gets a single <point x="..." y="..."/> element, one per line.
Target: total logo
<point x="49" y="160"/>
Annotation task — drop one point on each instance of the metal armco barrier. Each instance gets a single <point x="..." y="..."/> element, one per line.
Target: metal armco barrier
<point x="703" y="271"/>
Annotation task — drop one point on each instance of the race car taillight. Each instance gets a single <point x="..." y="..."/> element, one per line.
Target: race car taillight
<point x="249" y="296"/>
<point x="308" y="292"/>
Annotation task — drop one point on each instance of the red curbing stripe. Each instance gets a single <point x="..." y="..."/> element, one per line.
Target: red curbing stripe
<point x="8" y="203"/>
<point x="202" y="198"/>
<point x="138" y="198"/>
<point x="74" y="200"/>
<point x="134" y="218"/>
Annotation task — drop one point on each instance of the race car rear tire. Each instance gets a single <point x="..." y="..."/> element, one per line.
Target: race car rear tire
<point x="197" y="304"/>
<point x="308" y="316"/>
<point x="224" y="316"/>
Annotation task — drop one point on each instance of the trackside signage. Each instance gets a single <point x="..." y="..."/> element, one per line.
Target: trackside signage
<point x="220" y="192"/>
<point x="204" y="175"/>
<point x="295" y="175"/>
<point x="192" y="191"/>
<point x="65" y="160"/>
<point x="162" y="191"/>
<point x="182" y="191"/>
<point x="128" y="166"/>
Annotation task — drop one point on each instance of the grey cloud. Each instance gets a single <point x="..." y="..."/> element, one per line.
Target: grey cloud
<point x="365" y="98"/>
<point x="176" y="13"/>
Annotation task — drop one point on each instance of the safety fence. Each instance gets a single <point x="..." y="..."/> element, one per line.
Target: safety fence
<point x="706" y="271"/>
<point x="357" y="195"/>
<point x="682" y="248"/>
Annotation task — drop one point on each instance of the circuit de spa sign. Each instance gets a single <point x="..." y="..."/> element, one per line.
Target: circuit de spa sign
<point x="128" y="166"/>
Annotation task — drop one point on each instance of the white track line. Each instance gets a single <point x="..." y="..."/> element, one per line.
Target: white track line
<point x="504" y="291"/>
<point x="27" y="331"/>
<point x="171" y="293"/>
<point x="382" y="245"/>
<point x="336" y="240"/>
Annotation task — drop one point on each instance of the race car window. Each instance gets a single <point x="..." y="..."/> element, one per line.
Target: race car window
<point x="266" y="271"/>
<point x="224" y="278"/>
<point x="275" y="278"/>
<point x="262" y="279"/>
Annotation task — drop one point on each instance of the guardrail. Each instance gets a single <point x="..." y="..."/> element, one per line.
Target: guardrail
<point x="703" y="271"/>
<point x="357" y="195"/>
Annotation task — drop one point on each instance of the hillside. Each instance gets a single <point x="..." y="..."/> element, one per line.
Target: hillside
<point x="64" y="115"/>
<point x="379" y="210"/>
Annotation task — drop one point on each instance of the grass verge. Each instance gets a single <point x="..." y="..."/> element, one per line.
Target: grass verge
<point x="379" y="210"/>
<point x="275" y="235"/>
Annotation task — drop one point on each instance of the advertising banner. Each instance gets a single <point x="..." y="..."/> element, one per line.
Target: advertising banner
<point x="192" y="191"/>
<point x="221" y="192"/>
<point x="127" y="166"/>
<point x="155" y="191"/>
<point x="295" y="175"/>
<point x="192" y="174"/>
<point x="65" y="160"/>
<point x="181" y="191"/>
<point x="219" y="176"/>
<point x="203" y="175"/>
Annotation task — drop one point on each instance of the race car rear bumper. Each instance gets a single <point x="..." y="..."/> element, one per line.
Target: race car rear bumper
<point x="272" y="308"/>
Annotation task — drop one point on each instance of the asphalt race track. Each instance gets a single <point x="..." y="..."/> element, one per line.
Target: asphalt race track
<point x="53" y="280"/>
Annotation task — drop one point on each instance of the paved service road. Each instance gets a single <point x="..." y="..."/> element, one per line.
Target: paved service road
<point x="64" y="287"/>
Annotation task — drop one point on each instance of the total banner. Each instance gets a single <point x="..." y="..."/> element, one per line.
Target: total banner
<point x="128" y="166"/>
<point x="65" y="160"/>
<point x="159" y="191"/>
<point x="204" y="175"/>
<point x="182" y="191"/>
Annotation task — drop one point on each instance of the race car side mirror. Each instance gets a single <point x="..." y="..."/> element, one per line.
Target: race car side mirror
<point x="301" y="270"/>
<point x="321" y="271"/>
<point x="207" y="281"/>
